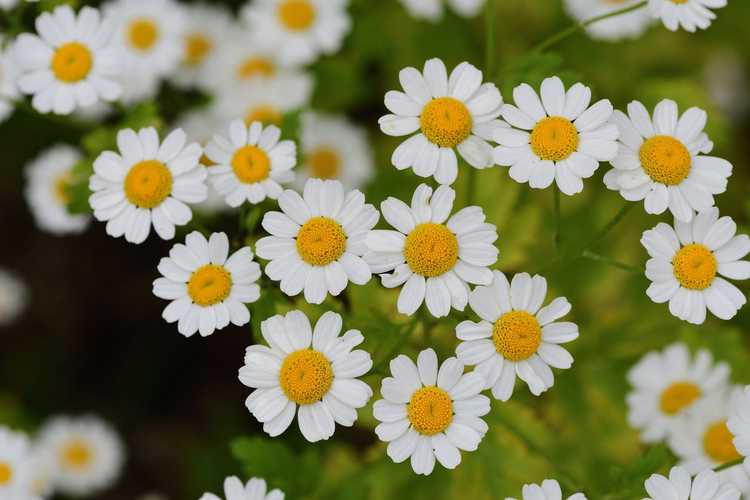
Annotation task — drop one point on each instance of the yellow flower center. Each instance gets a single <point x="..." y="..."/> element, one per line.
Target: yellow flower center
<point x="251" y="164"/>
<point x="209" y="285"/>
<point x="143" y="33"/>
<point x="665" y="160"/>
<point x="679" y="2"/>
<point x="694" y="266"/>
<point x="76" y="455"/>
<point x="197" y="47"/>
<point x="678" y="396"/>
<point x="297" y="15"/>
<point x="60" y="187"/>
<point x="717" y="443"/>
<point x="72" y="62"/>
<point x="254" y="67"/>
<point x="305" y="376"/>
<point x="265" y="114"/>
<point x="6" y="473"/>
<point x="516" y="335"/>
<point x="148" y="184"/>
<point x="554" y="138"/>
<point x="324" y="163"/>
<point x="321" y="241"/>
<point x="430" y="410"/>
<point x="431" y="249"/>
<point x="446" y="121"/>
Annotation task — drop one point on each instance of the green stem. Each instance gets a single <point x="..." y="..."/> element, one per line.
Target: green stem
<point x="729" y="464"/>
<point x="588" y="254"/>
<point x="489" y="47"/>
<point x="558" y="218"/>
<point x="610" y="225"/>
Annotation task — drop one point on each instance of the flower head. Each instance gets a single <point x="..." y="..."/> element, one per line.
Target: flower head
<point x="432" y="10"/>
<point x="707" y="485"/>
<point x="255" y="489"/>
<point x="548" y="490"/>
<point x="690" y="15"/>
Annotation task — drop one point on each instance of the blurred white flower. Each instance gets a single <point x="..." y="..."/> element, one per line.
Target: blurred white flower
<point x="630" y="25"/>
<point x="689" y="15"/>
<point x="255" y="489"/>
<point x="433" y="10"/>
<point x="14" y="465"/>
<point x="548" y="490"/>
<point x="707" y="485"/>
<point x="8" y="75"/>
<point x="14" y="296"/>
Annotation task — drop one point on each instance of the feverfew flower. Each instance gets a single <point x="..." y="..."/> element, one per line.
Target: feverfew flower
<point x="548" y="490"/>
<point x="739" y="425"/>
<point x="630" y="25"/>
<point x="264" y="100"/>
<point x="14" y="296"/>
<point x="8" y="87"/>
<point x="206" y="25"/>
<point x="14" y="462"/>
<point x="707" y="485"/>
<point x="255" y="489"/>
<point x="688" y="14"/>
<point x="432" y="10"/>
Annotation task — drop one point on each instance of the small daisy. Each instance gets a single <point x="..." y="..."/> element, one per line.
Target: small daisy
<point x="42" y="467"/>
<point x="666" y="385"/>
<point x="14" y="296"/>
<point x="301" y="30"/>
<point x="660" y="161"/>
<point x="47" y="180"/>
<point x="255" y="489"/>
<point x="317" y="243"/>
<point x="432" y="10"/>
<point x="548" y="490"/>
<point x="630" y="25"/>
<point x="71" y="63"/>
<point x="687" y="264"/>
<point x="334" y="148"/>
<point x="8" y="74"/>
<point x="739" y="425"/>
<point x="251" y="163"/>
<point x="147" y="183"/>
<point x="205" y="26"/>
<point x="688" y="14"/>
<point x="446" y="112"/>
<point x="89" y="454"/>
<point x="207" y="287"/>
<point x="264" y="100"/>
<point x="558" y="138"/>
<point x="707" y="485"/>
<point x="14" y="461"/>
<point x="428" y="413"/>
<point x="517" y="336"/>
<point x="315" y="369"/>
<point x="435" y="260"/>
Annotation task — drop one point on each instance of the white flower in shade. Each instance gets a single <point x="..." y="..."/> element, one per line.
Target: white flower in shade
<point x="334" y="148"/>
<point x="707" y="485"/>
<point x="255" y="489"/>
<point x="251" y="163"/>
<point x="147" y="183"/>
<point x="666" y="385"/>
<point x="42" y="471"/>
<point x="313" y="370"/>
<point x="14" y="296"/>
<point x="301" y="30"/>
<point x="660" y="160"/>
<point x="89" y="454"/>
<point x="207" y="287"/>
<point x="739" y="425"/>
<point x="687" y="14"/>
<point x="428" y="413"/>
<point x="457" y="112"/>
<point x="8" y="87"/>
<point x="47" y="180"/>
<point x="548" y="490"/>
<point x="688" y="265"/>
<point x="206" y="25"/>
<point x="435" y="257"/>
<point x="558" y="138"/>
<point x="432" y="10"/>
<point x="8" y="4"/>
<point x="630" y="25"/>
<point x="517" y="336"/>
<point x="14" y="465"/>
<point x="71" y="63"/>
<point x="318" y="240"/>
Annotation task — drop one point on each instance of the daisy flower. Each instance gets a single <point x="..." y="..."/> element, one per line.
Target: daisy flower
<point x="707" y="485"/>
<point x="8" y="74"/>
<point x="517" y="336"/>
<point x="71" y="63"/>
<point x="687" y="264"/>
<point x="688" y="14"/>
<point x="313" y="369"/>
<point x="14" y="297"/>
<point x="47" y="181"/>
<point x="301" y="30"/>
<point x="251" y="163"/>
<point x="88" y="451"/>
<point x="548" y="490"/>
<point x="630" y="25"/>
<point x="428" y="413"/>
<point x="559" y="138"/>
<point x="334" y="148"/>
<point x="207" y="287"/>
<point x="660" y="161"/>
<point x="318" y="240"/>
<point x="42" y="467"/>
<point x="739" y="425"/>
<point x="205" y="26"/>
<point x="147" y="183"/>
<point x="432" y="10"/>
<point x="14" y="461"/>
<point x="255" y="489"/>
<point x="457" y="112"/>
<point x="666" y="385"/>
<point x="435" y="257"/>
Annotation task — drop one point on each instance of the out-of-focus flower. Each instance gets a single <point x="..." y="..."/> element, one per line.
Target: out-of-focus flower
<point x="630" y="25"/>
<point x="14" y="296"/>
<point x="548" y="490"/>
<point x="707" y="485"/>
<point x="726" y="78"/>
<point x="14" y="465"/>
<point x="739" y="425"/>
<point x="8" y="87"/>
<point x="689" y="15"/>
<point x="255" y="489"/>
<point x="432" y="10"/>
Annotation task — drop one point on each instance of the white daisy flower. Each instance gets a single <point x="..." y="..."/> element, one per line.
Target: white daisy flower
<point x="206" y="25"/>
<point x="432" y="10"/>
<point x="435" y="260"/>
<point x="559" y="138"/>
<point x="446" y="112"/>
<point x="42" y="467"/>
<point x="313" y="369"/>
<point x="630" y="25"/>
<point x="14" y="465"/>
<point x="89" y="454"/>
<point x="8" y="74"/>
<point x="517" y="336"/>
<point x="317" y="243"/>
<point x="251" y="163"/>
<point x="255" y="489"/>
<point x="334" y="148"/>
<point x="739" y="425"/>
<point x="687" y="14"/>
<point x="47" y="181"/>
<point x="707" y="485"/>
<point x="688" y="265"/>
<point x="71" y="63"/>
<point x="660" y="161"/>
<point x="548" y="490"/>
<point x="14" y="297"/>
<point x="428" y="413"/>
<point x="207" y="287"/>
<point x="301" y="30"/>
<point x="666" y="385"/>
<point x="147" y="183"/>
<point x="8" y="4"/>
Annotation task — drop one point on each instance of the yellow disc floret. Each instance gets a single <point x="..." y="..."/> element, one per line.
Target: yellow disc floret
<point x="296" y="15"/>
<point x="254" y="67"/>
<point x="60" y="187"/>
<point x="251" y="164"/>
<point x="430" y="410"/>
<point x="148" y="184"/>
<point x="665" y="160"/>
<point x="431" y="249"/>
<point x="446" y="121"/>
<point x="554" y="138"/>
<point x="321" y="241"/>
<point x="324" y="163"/>
<point x="197" y="47"/>
<point x="209" y="285"/>
<point x="717" y="443"/>
<point x="306" y="376"/>
<point x="72" y="62"/>
<point x="265" y="114"/>
<point x="694" y="267"/>
<point x="6" y="473"/>
<point x="678" y="396"/>
<point x="516" y="335"/>
<point x="143" y="33"/>
<point x="76" y="455"/>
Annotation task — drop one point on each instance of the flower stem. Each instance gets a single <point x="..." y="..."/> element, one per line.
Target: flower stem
<point x="558" y="218"/>
<point x="727" y="465"/>
<point x="610" y="225"/>
<point x="588" y="254"/>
